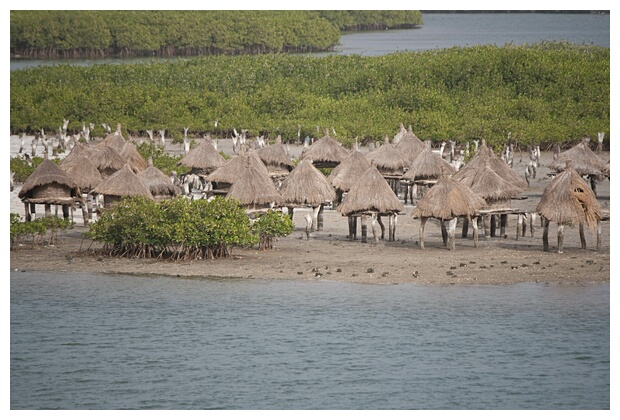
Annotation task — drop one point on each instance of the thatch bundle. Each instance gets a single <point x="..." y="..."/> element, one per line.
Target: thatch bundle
<point x="230" y="172"/>
<point x="306" y="185"/>
<point x="49" y="184"/>
<point x="123" y="183"/>
<point x="569" y="200"/>
<point x="130" y="153"/>
<point x="276" y="158"/>
<point x="107" y="160"/>
<point x="254" y="187"/>
<point x="349" y="171"/>
<point x="371" y="194"/>
<point x="388" y="160"/>
<point x="428" y="165"/>
<point x="83" y="172"/>
<point x="160" y="185"/>
<point x="447" y="199"/>
<point x="584" y="160"/>
<point x="203" y="159"/>
<point x="325" y="152"/>
<point x="410" y="146"/>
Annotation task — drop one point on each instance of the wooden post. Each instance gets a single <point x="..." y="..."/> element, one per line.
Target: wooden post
<point x="451" y="232"/>
<point x="593" y="184"/>
<point x="373" y="224"/>
<point x="485" y="222"/>
<point x="290" y="211"/>
<point x="84" y="214"/>
<point x="89" y="206"/>
<point x="582" y="236"/>
<point x="532" y="217"/>
<point x="465" y="227"/>
<point x="474" y="223"/>
<point x="364" y="229"/>
<point x="382" y="226"/>
<point x="27" y="212"/>
<point x="309" y="221"/>
<point x="394" y="221"/>
<point x="444" y="232"/>
<point x="320" y="218"/>
<point x="524" y="226"/>
<point x="545" y="223"/>
<point x="355" y="227"/>
<point x="422" y="223"/>
<point x="315" y="214"/>
<point x="351" y="228"/>
<point x="519" y="225"/>
<point x="493" y="225"/>
<point x="414" y="192"/>
<point x="65" y="211"/>
<point x="48" y="210"/>
<point x="503" y="224"/>
<point x="599" y="235"/>
<point x="560" y="238"/>
<point x="406" y="193"/>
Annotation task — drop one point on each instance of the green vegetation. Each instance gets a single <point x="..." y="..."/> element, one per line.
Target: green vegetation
<point x="543" y="93"/>
<point x="180" y="228"/>
<point x="271" y="225"/>
<point x="22" y="168"/>
<point x="37" y="230"/>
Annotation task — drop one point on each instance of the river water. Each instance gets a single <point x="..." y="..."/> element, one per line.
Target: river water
<point x="441" y="30"/>
<point x="83" y="341"/>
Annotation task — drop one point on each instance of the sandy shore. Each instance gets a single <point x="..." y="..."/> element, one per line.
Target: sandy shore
<point x="329" y="255"/>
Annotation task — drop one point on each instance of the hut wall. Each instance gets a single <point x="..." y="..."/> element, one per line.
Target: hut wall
<point x="497" y="204"/>
<point x="110" y="200"/>
<point x="51" y="191"/>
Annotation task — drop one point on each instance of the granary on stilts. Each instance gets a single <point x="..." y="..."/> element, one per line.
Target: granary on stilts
<point x="87" y="177"/>
<point x="160" y="185"/>
<point x="568" y="200"/>
<point x="424" y="172"/>
<point x="410" y="146"/>
<point x="130" y="153"/>
<point x="203" y="159"/>
<point x="277" y="160"/>
<point x="47" y="185"/>
<point x="390" y="163"/>
<point x="254" y="188"/>
<point x="107" y="160"/>
<point x="446" y="201"/>
<point x="306" y="186"/>
<point x="325" y="152"/>
<point x="225" y="176"/>
<point x="348" y="173"/>
<point x="371" y="196"/>
<point x="121" y="184"/>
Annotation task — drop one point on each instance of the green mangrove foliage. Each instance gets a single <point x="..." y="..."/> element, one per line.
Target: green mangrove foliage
<point x="362" y="20"/>
<point x="38" y="231"/>
<point x="272" y="225"/>
<point x="179" y="228"/>
<point x="542" y="93"/>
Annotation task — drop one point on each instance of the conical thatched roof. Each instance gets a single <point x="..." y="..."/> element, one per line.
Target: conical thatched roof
<point x="231" y="171"/>
<point x="428" y="165"/>
<point x="204" y="158"/>
<point x="275" y="156"/>
<point x="569" y="200"/>
<point x="325" y="152"/>
<point x="387" y="159"/>
<point x="114" y="140"/>
<point x="158" y="183"/>
<point x="47" y="174"/>
<point x="130" y="153"/>
<point x="584" y="160"/>
<point x="306" y="185"/>
<point x="410" y="146"/>
<point x="123" y="183"/>
<point x="254" y="188"/>
<point x="349" y="171"/>
<point x="83" y="172"/>
<point x="78" y="150"/>
<point x="107" y="160"/>
<point x="447" y="199"/>
<point x="371" y="193"/>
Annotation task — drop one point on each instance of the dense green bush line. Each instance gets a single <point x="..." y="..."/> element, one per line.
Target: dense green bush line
<point x="79" y="33"/>
<point x="544" y="93"/>
<point x="182" y="229"/>
<point x="36" y="230"/>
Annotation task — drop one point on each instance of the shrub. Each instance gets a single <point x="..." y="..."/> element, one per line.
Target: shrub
<point x="271" y="225"/>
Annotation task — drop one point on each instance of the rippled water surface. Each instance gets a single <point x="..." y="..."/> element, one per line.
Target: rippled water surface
<point x="118" y="342"/>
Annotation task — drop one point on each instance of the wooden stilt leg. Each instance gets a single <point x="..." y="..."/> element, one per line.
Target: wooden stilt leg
<point x="382" y="226"/>
<point x="493" y="225"/>
<point x="545" y="223"/>
<point x="465" y="227"/>
<point x="364" y="229"/>
<point x="84" y="214"/>
<point x="320" y="218"/>
<point x="291" y="212"/>
<point x="422" y="223"/>
<point x="582" y="236"/>
<point x="532" y="221"/>
<point x="355" y="227"/>
<point x="599" y="235"/>
<point x="451" y="232"/>
<point x="593" y="184"/>
<point x="48" y="210"/>
<point x="519" y="225"/>
<point x="373" y="224"/>
<point x="315" y="216"/>
<point x="474" y="223"/>
<point x="65" y="211"/>
<point x="351" y="228"/>
<point x="394" y="222"/>
<point x="524" y="225"/>
<point x="485" y="221"/>
<point x="444" y="232"/>
<point x="503" y="223"/>
<point x="27" y="215"/>
<point x="560" y="239"/>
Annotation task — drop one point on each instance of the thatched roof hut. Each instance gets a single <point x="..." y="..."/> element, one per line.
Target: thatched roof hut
<point x="399" y="135"/>
<point x="122" y="183"/>
<point x="225" y="176"/>
<point x="78" y="149"/>
<point x="348" y="172"/>
<point x="325" y="152"/>
<point x="114" y="140"/>
<point x="371" y="194"/>
<point x="410" y="146"/>
<point x="306" y="185"/>
<point x="107" y="160"/>
<point x="276" y="158"/>
<point x="427" y="166"/>
<point x="130" y="153"/>
<point x="389" y="161"/>
<point x="448" y="199"/>
<point x="160" y="185"/>
<point x="203" y="159"/>
<point x="496" y="191"/>
<point x="569" y="200"/>
<point x="50" y="184"/>
<point x="83" y="172"/>
<point x="584" y="160"/>
<point x="254" y="188"/>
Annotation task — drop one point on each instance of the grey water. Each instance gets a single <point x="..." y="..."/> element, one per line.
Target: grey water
<point x="90" y="341"/>
<point x="441" y="30"/>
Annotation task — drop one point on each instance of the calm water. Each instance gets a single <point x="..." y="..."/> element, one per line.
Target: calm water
<point x="117" y="342"/>
<point x="442" y="31"/>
